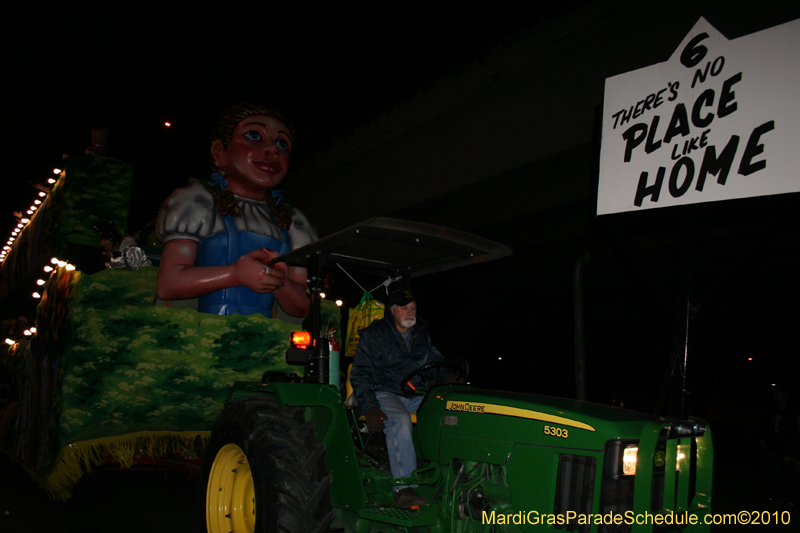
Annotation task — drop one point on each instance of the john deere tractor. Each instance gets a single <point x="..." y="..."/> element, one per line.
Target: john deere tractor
<point x="289" y="455"/>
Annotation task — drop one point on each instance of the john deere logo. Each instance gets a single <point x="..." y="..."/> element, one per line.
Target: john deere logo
<point x="660" y="458"/>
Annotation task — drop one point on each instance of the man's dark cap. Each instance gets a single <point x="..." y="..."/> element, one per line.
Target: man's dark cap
<point x="401" y="298"/>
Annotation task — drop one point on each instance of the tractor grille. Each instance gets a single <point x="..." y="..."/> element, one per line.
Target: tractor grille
<point x="574" y="489"/>
<point x="672" y="486"/>
<point x="617" y="499"/>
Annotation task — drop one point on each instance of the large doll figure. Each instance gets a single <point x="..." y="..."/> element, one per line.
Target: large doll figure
<point x="219" y="236"/>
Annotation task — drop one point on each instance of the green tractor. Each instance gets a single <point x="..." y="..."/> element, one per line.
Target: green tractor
<point x="289" y="455"/>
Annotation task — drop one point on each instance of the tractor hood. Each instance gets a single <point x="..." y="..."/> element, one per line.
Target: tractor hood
<point x="492" y="422"/>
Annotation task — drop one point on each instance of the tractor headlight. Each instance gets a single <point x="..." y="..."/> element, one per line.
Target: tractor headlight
<point x="619" y="476"/>
<point x="629" y="460"/>
<point x="621" y="458"/>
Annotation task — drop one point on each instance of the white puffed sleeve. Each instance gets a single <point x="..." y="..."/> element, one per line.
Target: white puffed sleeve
<point x="301" y="231"/>
<point x="189" y="213"/>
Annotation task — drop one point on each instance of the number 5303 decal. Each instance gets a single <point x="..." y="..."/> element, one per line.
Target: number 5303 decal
<point x="556" y="432"/>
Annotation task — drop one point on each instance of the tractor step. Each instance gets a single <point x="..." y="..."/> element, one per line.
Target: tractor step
<point x="426" y="516"/>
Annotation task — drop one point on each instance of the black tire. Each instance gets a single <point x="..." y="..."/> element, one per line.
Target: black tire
<point x="264" y="472"/>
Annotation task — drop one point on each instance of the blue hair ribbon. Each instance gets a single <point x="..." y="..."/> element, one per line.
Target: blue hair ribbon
<point x="217" y="179"/>
<point x="278" y="195"/>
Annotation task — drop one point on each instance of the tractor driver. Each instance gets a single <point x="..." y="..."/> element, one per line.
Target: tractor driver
<point x="389" y="349"/>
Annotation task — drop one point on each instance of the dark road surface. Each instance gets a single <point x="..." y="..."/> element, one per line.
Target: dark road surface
<point x="103" y="502"/>
<point x="145" y="502"/>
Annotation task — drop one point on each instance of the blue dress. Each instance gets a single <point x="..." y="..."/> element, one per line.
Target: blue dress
<point x="225" y="249"/>
<point x="189" y="213"/>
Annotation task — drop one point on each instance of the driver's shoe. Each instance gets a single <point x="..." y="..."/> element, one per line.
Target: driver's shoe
<point x="407" y="498"/>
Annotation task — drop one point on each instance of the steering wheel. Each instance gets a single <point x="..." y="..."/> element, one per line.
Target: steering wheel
<point x="461" y="366"/>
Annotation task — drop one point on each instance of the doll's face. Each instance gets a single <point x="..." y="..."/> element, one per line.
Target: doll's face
<point x="257" y="157"/>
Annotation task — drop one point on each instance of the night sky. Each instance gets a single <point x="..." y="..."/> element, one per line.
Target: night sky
<point x="327" y="68"/>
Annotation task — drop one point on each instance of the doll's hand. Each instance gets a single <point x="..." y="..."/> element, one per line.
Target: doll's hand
<point x="253" y="273"/>
<point x="280" y="270"/>
<point x="272" y="254"/>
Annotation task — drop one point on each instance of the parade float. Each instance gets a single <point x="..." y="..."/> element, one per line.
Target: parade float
<point x="103" y="371"/>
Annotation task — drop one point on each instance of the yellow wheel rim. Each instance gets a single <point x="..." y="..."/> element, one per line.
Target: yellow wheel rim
<point x="230" y="499"/>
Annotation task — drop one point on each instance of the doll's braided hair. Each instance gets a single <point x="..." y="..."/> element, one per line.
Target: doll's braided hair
<point x="223" y="130"/>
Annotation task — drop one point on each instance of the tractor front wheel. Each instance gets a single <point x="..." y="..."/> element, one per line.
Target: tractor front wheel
<point x="264" y="471"/>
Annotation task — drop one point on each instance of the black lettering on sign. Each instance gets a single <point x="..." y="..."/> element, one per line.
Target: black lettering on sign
<point x="643" y="190"/>
<point x="678" y="124"/>
<point x="679" y="190"/>
<point x="633" y="137"/>
<point x="727" y="105"/>
<point x="625" y="114"/>
<point x="637" y="133"/>
<point x="649" y="102"/>
<point x="690" y="145"/>
<point x="651" y="146"/>
<point x="673" y="88"/>
<point x="754" y="148"/>
<point x="718" y="166"/>
<point x="693" y="54"/>
<point x="705" y="99"/>
<point x="715" y="68"/>
<point x="717" y="65"/>
<point x="704" y="139"/>
<point x="658" y="101"/>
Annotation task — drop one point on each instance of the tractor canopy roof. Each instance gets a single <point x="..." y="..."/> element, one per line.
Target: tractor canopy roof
<point x="389" y="246"/>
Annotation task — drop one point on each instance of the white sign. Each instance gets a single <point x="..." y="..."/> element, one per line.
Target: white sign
<point x="719" y="120"/>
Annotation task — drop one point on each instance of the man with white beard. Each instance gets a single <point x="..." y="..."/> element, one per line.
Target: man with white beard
<point x="389" y="349"/>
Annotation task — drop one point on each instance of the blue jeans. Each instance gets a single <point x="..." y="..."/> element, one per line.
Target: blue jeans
<point x="402" y="456"/>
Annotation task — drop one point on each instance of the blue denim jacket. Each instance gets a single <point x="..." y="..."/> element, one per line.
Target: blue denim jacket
<point x="382" y="359"/>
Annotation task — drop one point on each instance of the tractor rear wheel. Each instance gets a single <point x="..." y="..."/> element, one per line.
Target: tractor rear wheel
<point x="264" y="471"/>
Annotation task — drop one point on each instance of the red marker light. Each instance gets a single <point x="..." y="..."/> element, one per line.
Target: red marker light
<point x="168" y="124"/>
<point x="301" y="339"/>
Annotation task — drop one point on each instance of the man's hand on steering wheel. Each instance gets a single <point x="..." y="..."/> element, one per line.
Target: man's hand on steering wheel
<point x="462" y="371"/>
<point x="375" y="418"/>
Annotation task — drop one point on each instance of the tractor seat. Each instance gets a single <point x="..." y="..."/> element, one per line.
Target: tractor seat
<point x="350" y="402"/>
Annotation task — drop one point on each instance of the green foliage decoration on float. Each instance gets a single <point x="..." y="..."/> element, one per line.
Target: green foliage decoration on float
<point x="110" y="373"/>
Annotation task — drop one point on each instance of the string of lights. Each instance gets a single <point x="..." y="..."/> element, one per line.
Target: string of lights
<point x="25" y="220"/>
<point x="56" y="264"/>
